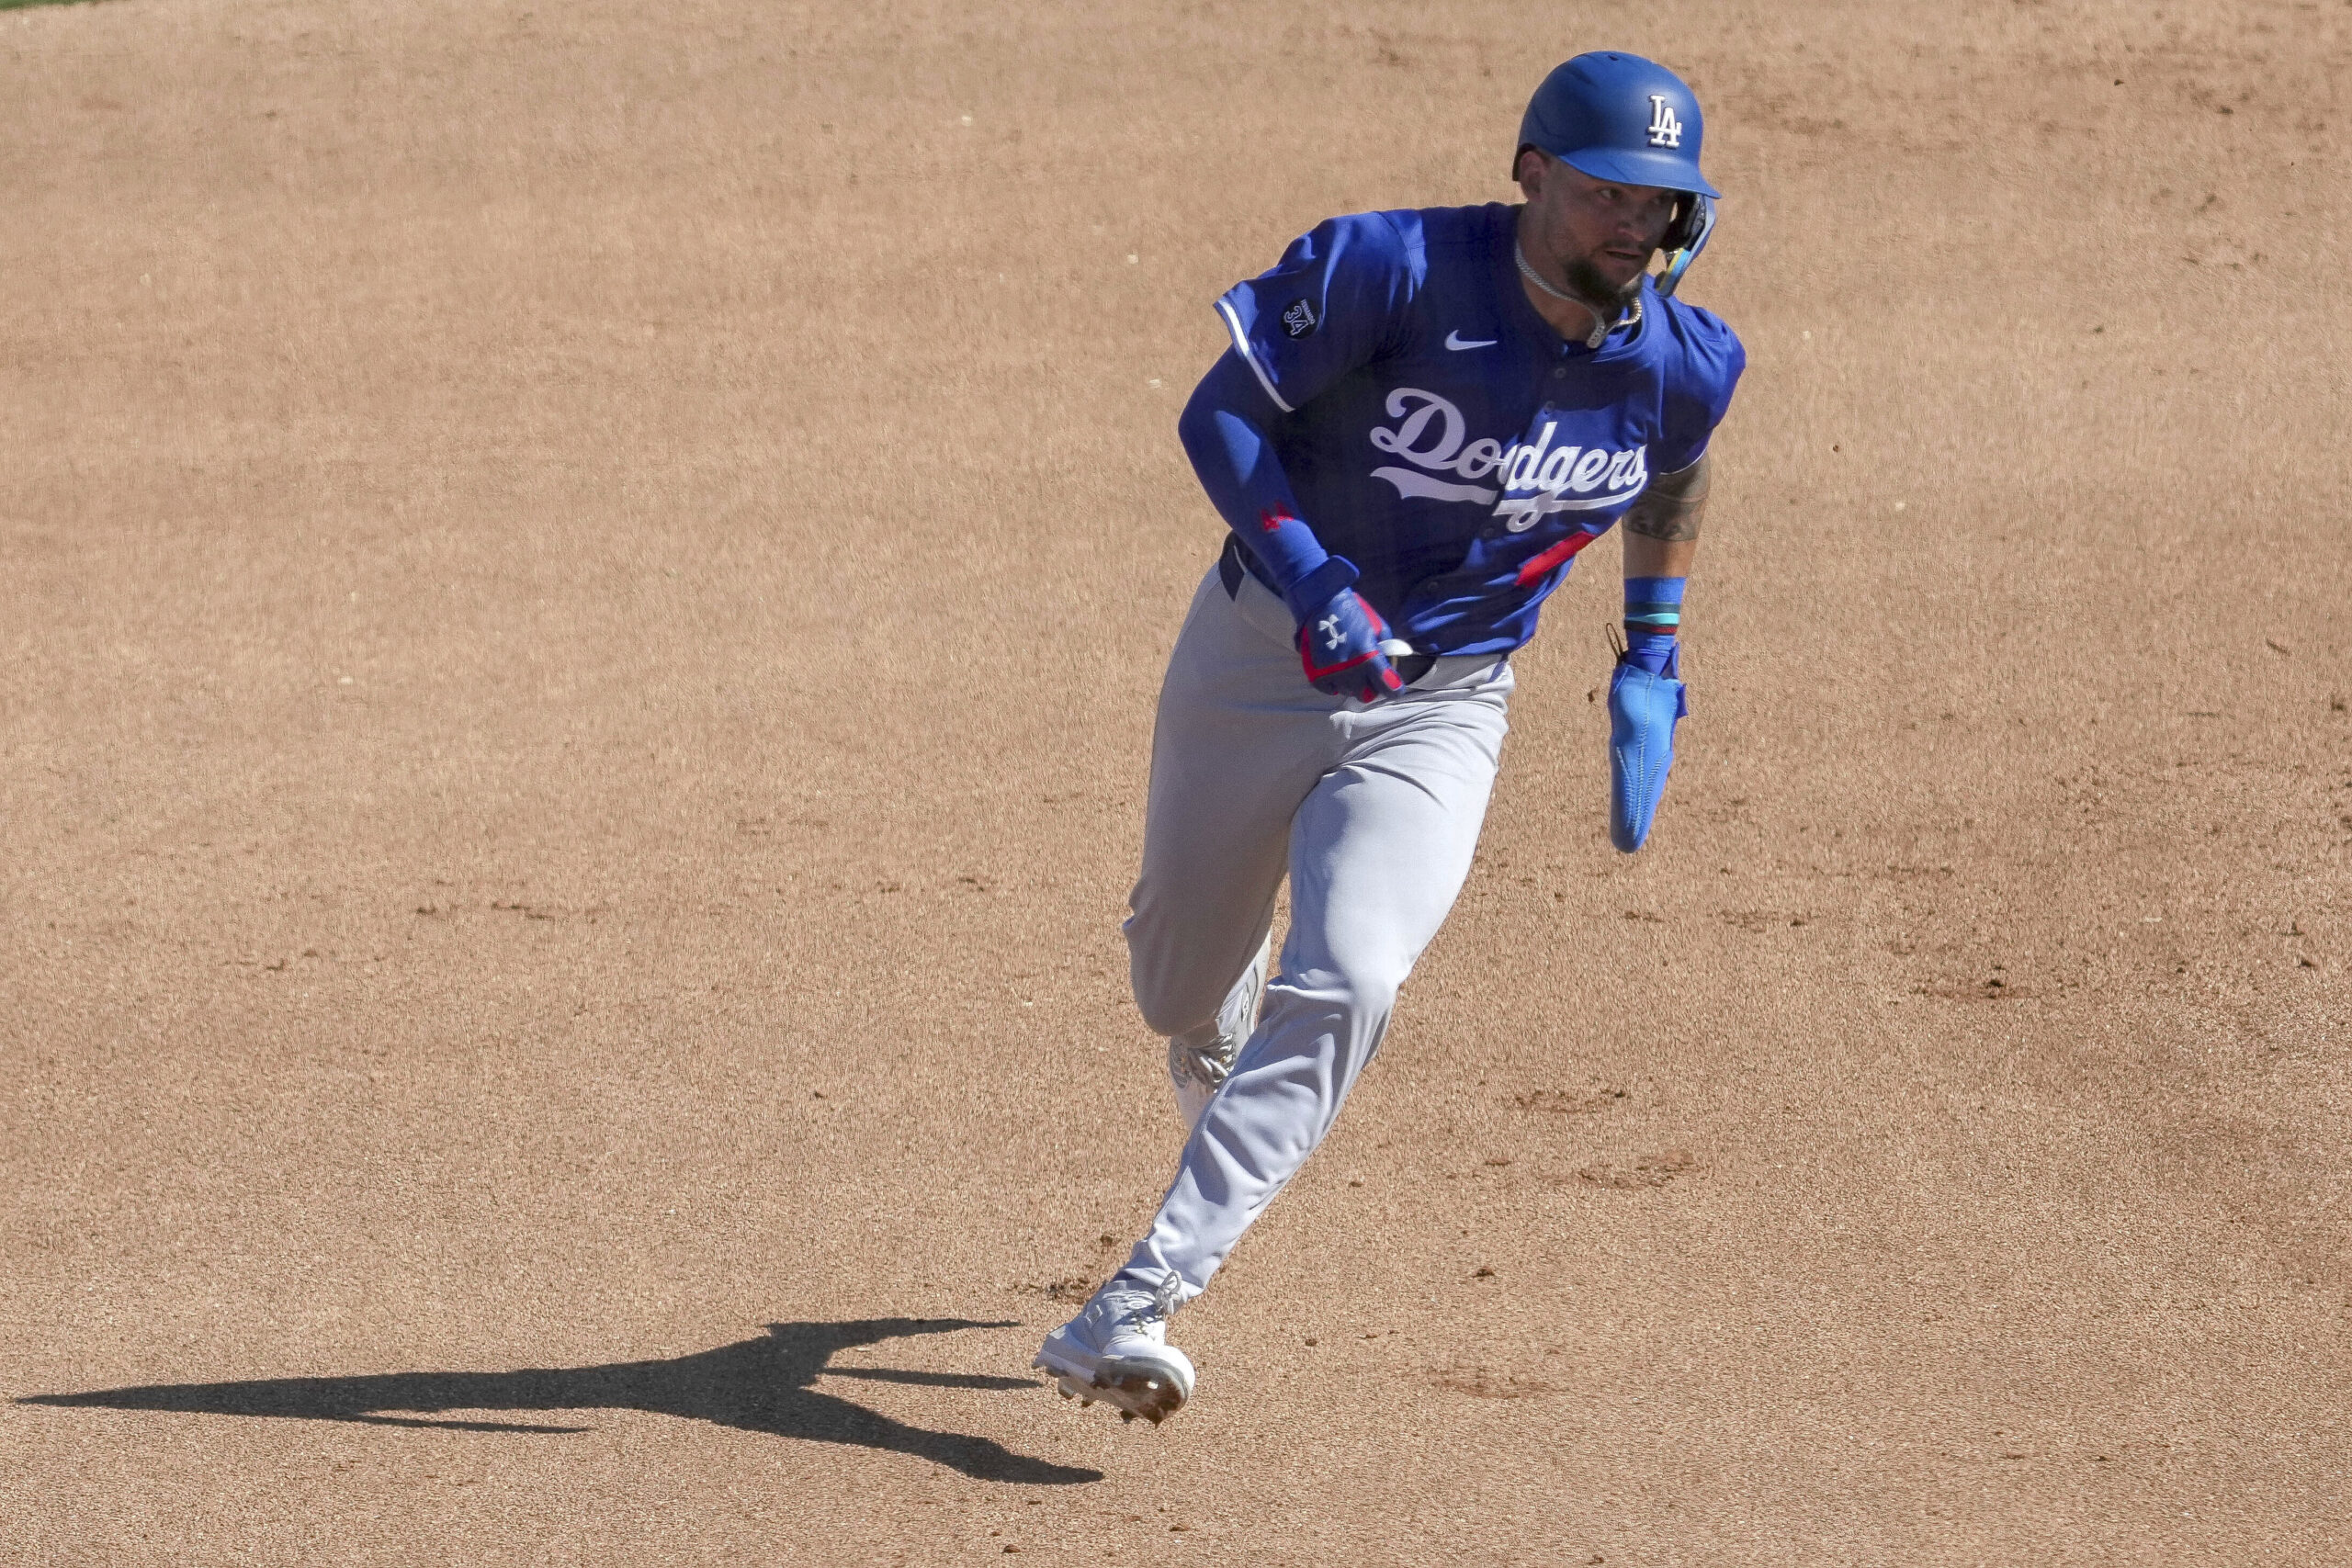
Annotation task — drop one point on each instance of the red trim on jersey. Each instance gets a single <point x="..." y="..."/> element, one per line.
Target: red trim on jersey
<point x="1564" y="550"/>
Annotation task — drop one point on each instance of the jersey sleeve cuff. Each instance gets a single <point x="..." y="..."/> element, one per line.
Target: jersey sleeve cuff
<point x="1241" y="347"/>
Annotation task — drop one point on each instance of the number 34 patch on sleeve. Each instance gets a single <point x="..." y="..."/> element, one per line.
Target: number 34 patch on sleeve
<point x="1300" y="318"/>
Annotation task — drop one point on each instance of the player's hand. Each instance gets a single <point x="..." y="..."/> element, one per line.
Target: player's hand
<point x="1643" y="710"/>
<point x="1340" y="646"/>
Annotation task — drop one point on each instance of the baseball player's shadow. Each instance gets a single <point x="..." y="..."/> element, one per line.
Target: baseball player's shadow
<point x="759" y="1386"/>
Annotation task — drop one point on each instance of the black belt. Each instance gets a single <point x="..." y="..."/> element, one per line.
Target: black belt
<point x="1410" y="668"/>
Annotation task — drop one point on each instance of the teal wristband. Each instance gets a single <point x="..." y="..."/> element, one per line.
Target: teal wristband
<point x="1654" y="601"/>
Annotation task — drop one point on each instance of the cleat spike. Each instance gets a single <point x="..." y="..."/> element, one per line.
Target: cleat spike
<point x="1115" y="1353"/>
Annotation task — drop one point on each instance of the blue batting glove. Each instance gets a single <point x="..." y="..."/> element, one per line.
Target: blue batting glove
<point x="1643" y="710"/>
<point x="1340" y="646"/>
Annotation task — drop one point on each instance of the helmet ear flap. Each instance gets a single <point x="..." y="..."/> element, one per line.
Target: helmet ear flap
<point x="1678" y="229"/>
<point x="1686" y="236"/>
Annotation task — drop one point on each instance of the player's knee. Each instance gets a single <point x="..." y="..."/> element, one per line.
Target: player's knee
<point x="1172" y="1004"/>
<point x="1372" y="996"/>
<point x="1170" y="998"/>
<point x="1178" y="984"/>
<point x="1362" y="992"/>
<point x="1158" y="1015"/>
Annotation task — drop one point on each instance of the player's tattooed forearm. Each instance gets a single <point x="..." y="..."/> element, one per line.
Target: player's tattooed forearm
<point x="1670" y="508"/>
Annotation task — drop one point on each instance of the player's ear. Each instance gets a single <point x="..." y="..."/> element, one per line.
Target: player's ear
<point x="1529" y="171"/>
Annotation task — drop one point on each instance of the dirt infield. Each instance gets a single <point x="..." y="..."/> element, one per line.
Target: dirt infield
<point x="583" y="591"/>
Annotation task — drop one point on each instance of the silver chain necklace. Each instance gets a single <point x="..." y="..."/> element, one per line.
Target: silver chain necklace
<point x="1630" y="317"/>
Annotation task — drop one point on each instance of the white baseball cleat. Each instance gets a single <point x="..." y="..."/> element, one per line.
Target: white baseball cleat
<point x="1199" y="1059"/>
<point x="1116" y="1350"/>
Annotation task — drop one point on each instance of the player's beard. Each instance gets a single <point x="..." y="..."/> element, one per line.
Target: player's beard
<point x="1584" y="278"/>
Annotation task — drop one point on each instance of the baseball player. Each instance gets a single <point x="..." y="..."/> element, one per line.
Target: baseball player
<point x="1423" y="418"/>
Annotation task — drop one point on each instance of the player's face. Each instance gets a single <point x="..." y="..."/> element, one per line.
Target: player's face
<point x="1599" y="233"/>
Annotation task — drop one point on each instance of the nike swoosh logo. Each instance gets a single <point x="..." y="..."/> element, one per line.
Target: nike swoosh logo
<point x="1455" y="341"/>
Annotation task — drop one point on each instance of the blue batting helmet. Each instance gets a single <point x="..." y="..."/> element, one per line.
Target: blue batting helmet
<point x="1617" y="117"/>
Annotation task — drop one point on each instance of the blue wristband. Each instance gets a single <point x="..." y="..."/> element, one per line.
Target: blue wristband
<point x="1653" y="612"/>
<point x="1654" y="601"/>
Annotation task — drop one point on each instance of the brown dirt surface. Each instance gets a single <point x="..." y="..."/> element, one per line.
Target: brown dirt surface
<point x="583" y="591"/>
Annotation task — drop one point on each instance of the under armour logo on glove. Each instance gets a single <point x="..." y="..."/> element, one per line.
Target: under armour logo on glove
<point x="1349" y="660"/>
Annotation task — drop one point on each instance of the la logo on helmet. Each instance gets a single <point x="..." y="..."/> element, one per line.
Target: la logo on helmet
<point x="1665" y="129"/>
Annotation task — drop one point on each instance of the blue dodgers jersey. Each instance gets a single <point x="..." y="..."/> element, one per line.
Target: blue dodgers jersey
<point x="1440" y="435"/>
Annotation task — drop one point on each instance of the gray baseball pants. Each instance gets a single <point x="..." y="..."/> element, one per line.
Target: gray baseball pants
<point x="1374" y="813"/>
